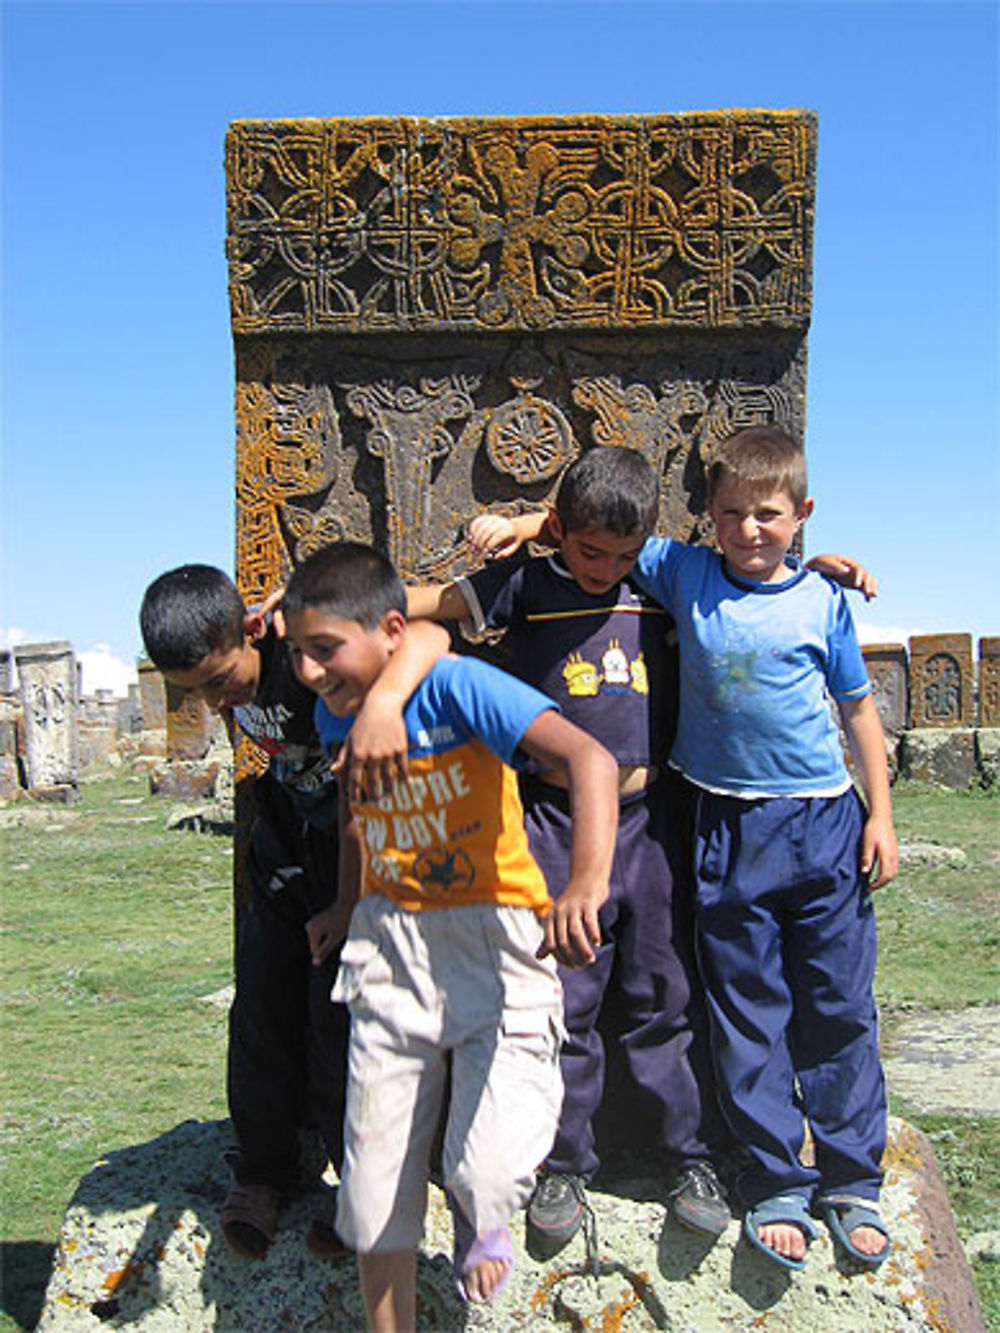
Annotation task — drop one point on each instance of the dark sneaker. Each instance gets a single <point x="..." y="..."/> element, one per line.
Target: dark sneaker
<point x="699" y="1200"/>
<point x="555" y="1213"/>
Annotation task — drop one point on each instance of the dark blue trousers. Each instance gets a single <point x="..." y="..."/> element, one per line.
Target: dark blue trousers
<point x="641" y="979"/>
<point x="287" y="1060"/>
<point x="786" y="945"/>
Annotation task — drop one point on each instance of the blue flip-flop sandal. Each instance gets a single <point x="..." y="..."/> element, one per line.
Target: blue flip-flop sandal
<point x="782" y="1209"/>
<point x="843" y="1216"/>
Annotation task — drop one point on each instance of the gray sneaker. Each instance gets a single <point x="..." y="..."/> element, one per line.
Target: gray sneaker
<point x="699" y="1200"/>
<point x="555" y="1213"/>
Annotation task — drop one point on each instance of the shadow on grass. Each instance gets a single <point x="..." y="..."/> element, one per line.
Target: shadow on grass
<point x="25" y="1266"/>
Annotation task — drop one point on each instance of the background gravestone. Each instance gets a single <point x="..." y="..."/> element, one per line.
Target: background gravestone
<point x="49" y="696"/>
<point x="989" y="682"/>
<point x="941" y="680"/>
<point x="432" y="317"/>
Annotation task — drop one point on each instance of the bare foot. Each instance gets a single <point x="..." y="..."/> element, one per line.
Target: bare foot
<point x="784" y="1238"/>
<point x="482" y="1281"/>
<point x="868" y="1240"/>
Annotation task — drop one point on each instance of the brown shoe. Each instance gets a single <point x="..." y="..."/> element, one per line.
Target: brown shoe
<point x="249" y="1219"/>
<point x="322" y="1238"/>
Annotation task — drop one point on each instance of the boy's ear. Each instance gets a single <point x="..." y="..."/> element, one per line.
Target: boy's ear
<point x="805" y="509"/>
<point x="393" y="626"/>
<point x="555" y="526"/>
<point x="254" y="626"/>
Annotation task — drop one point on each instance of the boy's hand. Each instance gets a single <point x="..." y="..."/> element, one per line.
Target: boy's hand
<point x="879" y="852"/>
<point x="492" y="536"/>
<point x="270" y="607"/>
<point x="846" y="571"/>
<point x="572" y="928"/>
<point x="325" y="931"/>
<point x="374" y="755"/>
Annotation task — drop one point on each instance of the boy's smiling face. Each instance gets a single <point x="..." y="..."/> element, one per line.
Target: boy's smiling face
<point x="339" y="659"/>
<point x="597" y="559"/>
<point x="755" y="528"/>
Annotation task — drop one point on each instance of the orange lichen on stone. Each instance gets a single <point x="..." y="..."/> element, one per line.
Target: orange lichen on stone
<point x="550" y="1280"/>
<point x="131" y="1272"/>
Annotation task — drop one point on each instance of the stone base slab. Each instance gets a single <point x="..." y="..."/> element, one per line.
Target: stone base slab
<point x="946" y="757"/>
<point x="141" y="1247"/>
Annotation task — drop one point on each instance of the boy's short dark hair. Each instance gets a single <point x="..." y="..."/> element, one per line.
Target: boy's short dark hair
<point x="348" y="580"/>
<point x="611" y="488"/>
<point x="188" y="613"/>
<point x="765" y="458"/>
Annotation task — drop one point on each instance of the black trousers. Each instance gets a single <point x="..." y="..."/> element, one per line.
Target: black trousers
<point x="287" y="1062"/>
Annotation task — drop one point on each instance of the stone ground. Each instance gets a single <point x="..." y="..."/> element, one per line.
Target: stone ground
<point x="140" y="1248"/>
<point x="944" y="1061"/>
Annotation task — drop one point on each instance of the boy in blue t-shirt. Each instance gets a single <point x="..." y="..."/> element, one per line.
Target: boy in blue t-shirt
<point x="785" y="854"/>
<point x="448" y="964"/>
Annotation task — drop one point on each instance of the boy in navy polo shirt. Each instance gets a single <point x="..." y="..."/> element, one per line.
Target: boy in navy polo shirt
<point x="582" y="631"/>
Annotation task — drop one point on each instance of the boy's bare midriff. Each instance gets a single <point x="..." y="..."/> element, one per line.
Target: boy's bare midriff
<point x="632" y="778"/>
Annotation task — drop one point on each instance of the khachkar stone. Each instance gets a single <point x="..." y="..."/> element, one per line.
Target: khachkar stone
<point x="886" y="663"/>
<point x="433" y="317"/>
<point x="48" y="679"/>
<point x="436" y="316"/>
<point x="941" y="680"/>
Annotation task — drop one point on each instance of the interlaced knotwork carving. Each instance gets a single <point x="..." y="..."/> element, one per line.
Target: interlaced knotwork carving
<point x="700" y="220"/>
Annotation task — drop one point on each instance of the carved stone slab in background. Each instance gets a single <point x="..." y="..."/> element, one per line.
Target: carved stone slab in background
<point x="941" y="680"/>
<point x="701" y="220"/>
<point x="153" y="697"/>
<point x="886" y="663"/>
<point x="989" y="682"/>
<point x="49" y="695"/>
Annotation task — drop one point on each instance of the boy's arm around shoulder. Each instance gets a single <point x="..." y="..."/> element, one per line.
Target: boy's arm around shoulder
<point x="436" y="601"/>
<point x="376" y="751"/>
<point x="493" y="536"/>
<point x="879" y="848"/>
<point x="846" y="571"/>
<point x="572" y="928"/>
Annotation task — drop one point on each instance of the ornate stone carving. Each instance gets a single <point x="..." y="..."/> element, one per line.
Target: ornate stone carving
<point x="701" y="220"/>
<point x="434" y="317"/>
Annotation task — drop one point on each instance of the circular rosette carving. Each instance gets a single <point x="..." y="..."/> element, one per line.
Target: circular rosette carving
<point x="529" y="439"/>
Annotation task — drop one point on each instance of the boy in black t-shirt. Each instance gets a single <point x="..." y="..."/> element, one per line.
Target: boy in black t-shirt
<point x="287" y="1040"/>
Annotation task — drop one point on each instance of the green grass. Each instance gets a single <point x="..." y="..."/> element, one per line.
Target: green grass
<point x="114" y="929"/>
<point x="112" y="932"/>
<point x="939" y="928"/>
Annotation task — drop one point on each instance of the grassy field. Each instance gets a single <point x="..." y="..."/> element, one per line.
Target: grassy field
<point x="116" y="933"/>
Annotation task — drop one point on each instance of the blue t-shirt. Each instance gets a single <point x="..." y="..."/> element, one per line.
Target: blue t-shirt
<point x="756" y="660"/>
<point x="452" y="834"/>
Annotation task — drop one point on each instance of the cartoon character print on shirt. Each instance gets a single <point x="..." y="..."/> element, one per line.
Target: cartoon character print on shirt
<point x="617" y="675"/>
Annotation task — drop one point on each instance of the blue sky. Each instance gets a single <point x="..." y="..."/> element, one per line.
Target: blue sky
<point x="118" y="432"/>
